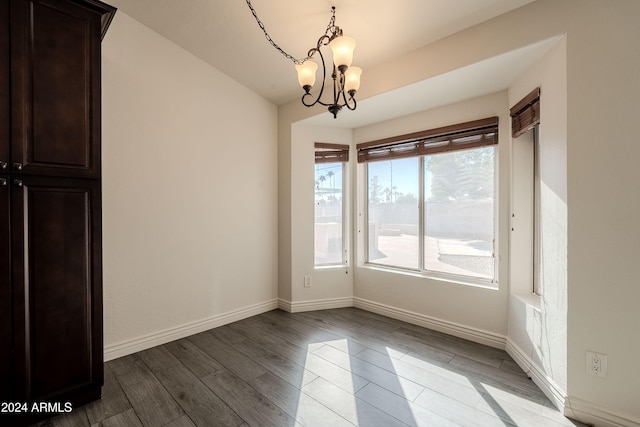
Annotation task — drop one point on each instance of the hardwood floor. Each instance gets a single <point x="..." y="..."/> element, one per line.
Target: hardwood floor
<point x="340" y="367"/>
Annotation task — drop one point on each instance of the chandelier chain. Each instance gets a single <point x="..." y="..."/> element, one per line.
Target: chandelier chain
<point x="275" y="45"/>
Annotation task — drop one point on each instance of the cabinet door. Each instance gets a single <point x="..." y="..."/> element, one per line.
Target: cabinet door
<point x="4" y="85"/>
<point x="56" y="269"/>
<point x="5" y="272"/>
<point x="5" y="295"/>
<point x="55" y="48"/>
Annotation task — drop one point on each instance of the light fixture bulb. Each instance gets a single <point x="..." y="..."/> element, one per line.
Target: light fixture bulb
<point x="352" y="79"/>
<point x="342" y="48"/>
<point x="307" y="74"/>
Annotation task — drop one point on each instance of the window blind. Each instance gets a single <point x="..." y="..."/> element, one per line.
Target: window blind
<point x="331" y="153"/>
<point x="461" y="136"/>
<point x="525" y="115"/>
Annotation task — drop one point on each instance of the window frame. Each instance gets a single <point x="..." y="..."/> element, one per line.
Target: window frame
<point x="421" y="271"/>
<point x="537" y="213"/>
<point x="330" y="153"/>
<point x="525" y="117"/>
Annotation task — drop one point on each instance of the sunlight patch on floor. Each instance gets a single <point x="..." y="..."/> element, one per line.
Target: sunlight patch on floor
<point x="320" y="394"/>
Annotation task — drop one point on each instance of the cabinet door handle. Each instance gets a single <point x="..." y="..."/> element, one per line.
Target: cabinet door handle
<point x="18" y="182"/>
<point x="3" y="165"/>
<point x="17" y="166"/>
<point x="3" y="182"/>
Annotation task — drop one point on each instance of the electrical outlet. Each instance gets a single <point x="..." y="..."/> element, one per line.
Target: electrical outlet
<point x="307" y="281"/>
<point x="596" y="364"/>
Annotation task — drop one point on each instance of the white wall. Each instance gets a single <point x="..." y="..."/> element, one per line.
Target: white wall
<point x="332" y="287"/>
<point x="189" y="193"/>
<point x="537" y="336"/>
<point x="603" y="192"/>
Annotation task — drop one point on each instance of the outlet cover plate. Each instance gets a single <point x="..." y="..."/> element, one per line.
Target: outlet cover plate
<point x="596" y="364"/>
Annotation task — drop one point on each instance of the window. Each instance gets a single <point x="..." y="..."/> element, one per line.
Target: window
<point x="526" y="237"/>
<point x="459" y="212"/>
<point x="431" y="201"/>
<point x="393" y="212"/>
<point x="330" y="179"/>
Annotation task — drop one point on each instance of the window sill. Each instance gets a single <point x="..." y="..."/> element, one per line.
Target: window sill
<point x="330" y="266"/>
<point x="532" y="300"/>
<point x="479" y="283"/>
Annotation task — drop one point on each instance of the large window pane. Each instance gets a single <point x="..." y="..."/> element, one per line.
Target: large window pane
<point x="459" y="212"/>
<point x="393" y="212"/>
<point x="328" y="214"/>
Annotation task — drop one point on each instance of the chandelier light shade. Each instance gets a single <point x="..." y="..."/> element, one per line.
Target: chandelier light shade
<point x="344" y="76"/>
<point x="307" y="74"/>
<point x="352" y="79"/>
<point x="342" y="48"/>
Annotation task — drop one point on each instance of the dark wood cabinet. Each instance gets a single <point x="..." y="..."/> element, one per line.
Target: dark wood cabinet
<point x="55" y="82"/>
<point x="6" y="343"/>
<point x="56" y="263"/>
<point x="51" y="347"/>
<point x="5" y="86"/>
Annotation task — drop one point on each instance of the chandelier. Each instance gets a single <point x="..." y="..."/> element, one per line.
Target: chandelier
<point x="346" y="78"/>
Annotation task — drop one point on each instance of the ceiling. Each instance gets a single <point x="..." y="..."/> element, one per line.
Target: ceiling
<point x="225" y="34"/>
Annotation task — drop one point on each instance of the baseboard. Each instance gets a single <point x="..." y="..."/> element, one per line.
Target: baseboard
<point x="587" y="412"/>
<point x="145" y="342"/>
<point x="571" y="407"/>
<point x="472" y="334"/>
<point x="323" y="304"/>
<point x="556" y="395"/>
